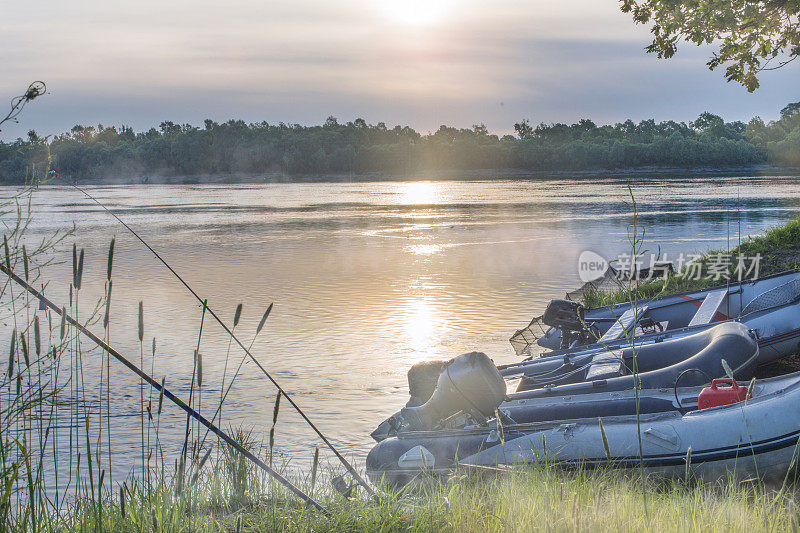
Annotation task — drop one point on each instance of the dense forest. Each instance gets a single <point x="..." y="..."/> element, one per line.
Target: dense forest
<point x="235" y="148"/>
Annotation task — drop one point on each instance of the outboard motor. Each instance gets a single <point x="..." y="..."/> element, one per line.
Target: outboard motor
<point x="564" y="314"/>
<point x="567" y="316"/>
<point x="469" y="383"/>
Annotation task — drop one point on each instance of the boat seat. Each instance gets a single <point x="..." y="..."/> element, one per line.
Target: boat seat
<point x="708" y="309"/>
<point x="623" y="324"/>
<point x="606" y="365"/>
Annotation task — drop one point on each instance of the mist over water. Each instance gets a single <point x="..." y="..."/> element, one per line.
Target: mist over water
<point x="367" y="279"/>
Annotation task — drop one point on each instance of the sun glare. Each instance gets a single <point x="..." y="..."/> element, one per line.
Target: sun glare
<point x="416" y="12"/>
<point x="422" y="324"/>
<point x="419" y="193"/>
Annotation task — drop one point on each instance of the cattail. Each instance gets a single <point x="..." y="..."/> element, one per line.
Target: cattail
<point x="11" y="354"/>
<point x="108" y="304"/>
<point x="237" y="315"/>
<point x="276" y="409"/>
<point x="141" y="321"/>
<point x="25" y="350"/>
<point x="79" y="272"/>
<point x="199" y="361"/>
<point x="263" y="319"/>
<point x="154" y="346"/>
<point x="37" y="337"/>
<point x="161" y="396"/>
<point x="110" y="258"/>
<point x="63" y="322"/>
<point x="122" y="500"/>
<point x="74" y="265"/>
<point x="7" y="252"/>
<point x="314" y="465"/>
<point x="19" y="383"/>
<point x="25" y="261"/>
<point x="605" y="439"/>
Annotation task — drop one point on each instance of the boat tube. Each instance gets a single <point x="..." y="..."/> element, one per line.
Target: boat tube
<point x="657" y="364"/>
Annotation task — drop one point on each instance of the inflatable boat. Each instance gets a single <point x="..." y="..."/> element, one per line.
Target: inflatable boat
<point x="769" y="305"/>
<point x="470" y="420"/>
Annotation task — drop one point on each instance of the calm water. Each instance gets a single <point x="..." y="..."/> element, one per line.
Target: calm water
<point x="367" y="279"/>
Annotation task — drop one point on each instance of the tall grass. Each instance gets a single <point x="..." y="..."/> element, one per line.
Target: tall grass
<point x="778" y="248"/>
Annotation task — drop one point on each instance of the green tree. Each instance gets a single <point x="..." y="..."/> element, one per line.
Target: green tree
<point x="523" y="129"/>
<point x="752" y="35"/>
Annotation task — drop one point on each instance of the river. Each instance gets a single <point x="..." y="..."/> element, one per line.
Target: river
<point x="366" y="279"/>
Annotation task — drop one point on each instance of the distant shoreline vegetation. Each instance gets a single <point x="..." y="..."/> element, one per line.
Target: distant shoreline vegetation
<point x="243" y="151"/>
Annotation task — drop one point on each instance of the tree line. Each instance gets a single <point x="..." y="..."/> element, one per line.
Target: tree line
<point x="236" y="147"/>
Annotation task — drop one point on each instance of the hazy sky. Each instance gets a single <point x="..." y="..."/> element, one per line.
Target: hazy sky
<point x="416" y="62"/>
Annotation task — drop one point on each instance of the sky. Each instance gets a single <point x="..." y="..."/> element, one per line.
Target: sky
<point x="411" y="62"/>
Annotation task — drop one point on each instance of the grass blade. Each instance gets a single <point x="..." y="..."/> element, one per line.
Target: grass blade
<point x="199" y="360"/>
<point x="10" y="371"/>
<point x="25" y="261"/>
<point x="161" y="396"/>
<point x="314" y="466"/>
<point x="605" y="439"/>
<point x="688" y="464"/>
<point x="726" y="367"/>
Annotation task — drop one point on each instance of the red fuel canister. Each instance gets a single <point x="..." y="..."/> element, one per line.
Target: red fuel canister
<point x="714" y="396"/>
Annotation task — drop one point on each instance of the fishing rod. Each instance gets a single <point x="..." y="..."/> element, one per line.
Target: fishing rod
<point x="361" y="481"/>
<point x="163" y="390"/>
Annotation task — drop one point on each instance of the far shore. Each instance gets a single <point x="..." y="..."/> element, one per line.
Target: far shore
<point x="466" y="175"/>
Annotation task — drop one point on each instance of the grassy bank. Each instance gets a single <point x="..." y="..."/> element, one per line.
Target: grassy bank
<point x="778" y="247"/>
<point x="533" y="498"/>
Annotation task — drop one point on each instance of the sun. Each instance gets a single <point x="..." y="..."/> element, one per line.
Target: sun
<point x="416" y="12"/>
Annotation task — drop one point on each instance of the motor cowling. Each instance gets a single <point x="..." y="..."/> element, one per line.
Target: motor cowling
<point x="469" y="383"/>
<point x="564" y="314"/>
